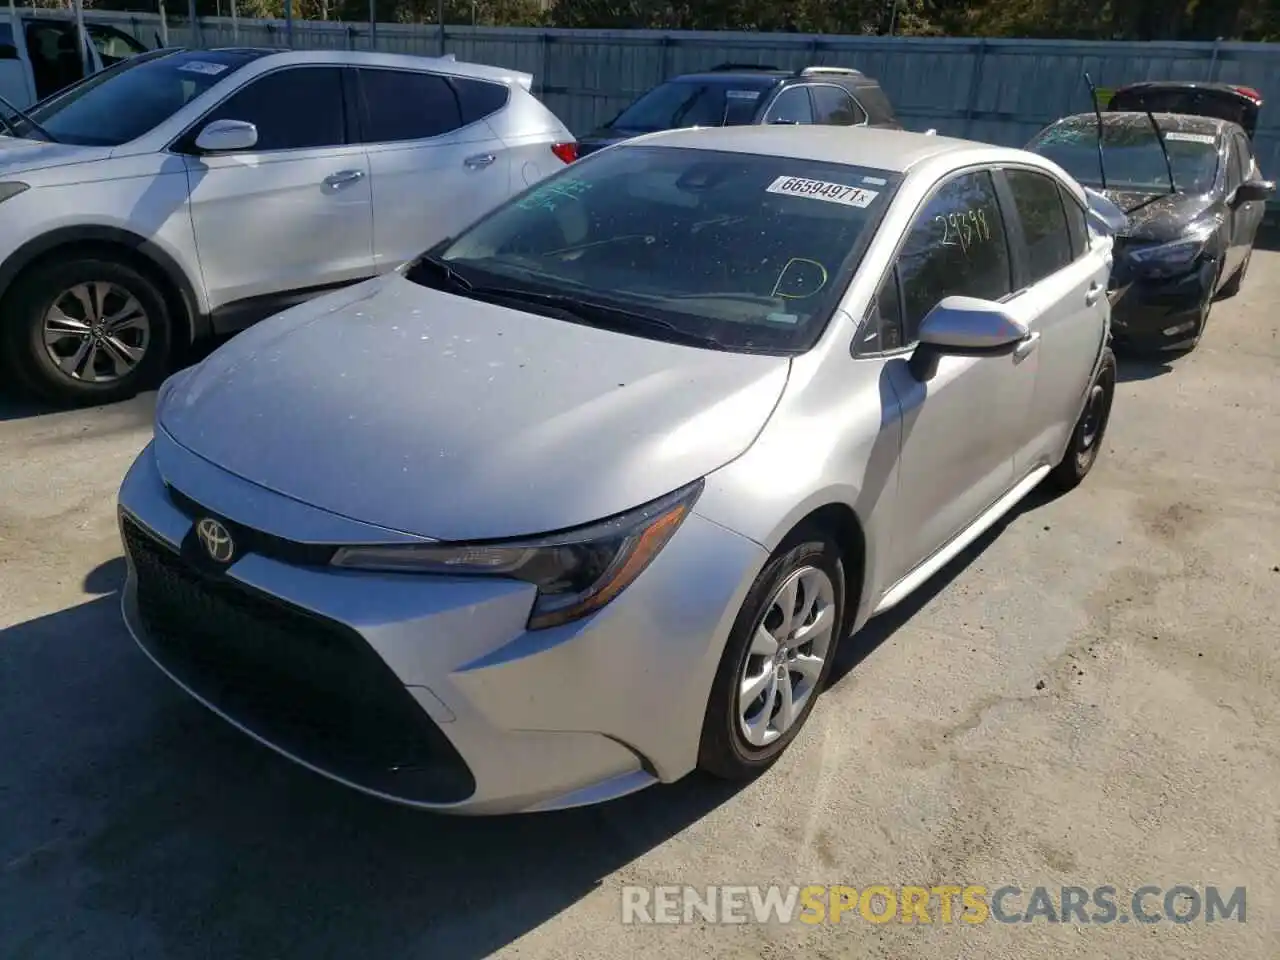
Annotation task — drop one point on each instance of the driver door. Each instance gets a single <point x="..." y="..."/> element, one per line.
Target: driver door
<point x="963" y="427"/>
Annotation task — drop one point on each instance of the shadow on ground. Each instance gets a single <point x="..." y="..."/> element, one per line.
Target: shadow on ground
<point x="140" y="825"/>
<point x="1130" y="369"/>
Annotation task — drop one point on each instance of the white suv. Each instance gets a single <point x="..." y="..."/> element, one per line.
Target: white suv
<point x="186" y="193"/>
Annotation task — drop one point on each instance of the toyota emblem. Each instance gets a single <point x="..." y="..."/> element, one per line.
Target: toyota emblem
<point x="216" y="540"/>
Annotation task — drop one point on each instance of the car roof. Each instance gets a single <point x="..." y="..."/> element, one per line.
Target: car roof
<point x="1176" y="122"/>
<point x="893" y="150"/>
<point x="369" y="58"/>
<point x="734" y="76"/>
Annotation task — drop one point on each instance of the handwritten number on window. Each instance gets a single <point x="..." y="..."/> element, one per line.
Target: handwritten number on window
<point x="964" y="229"/>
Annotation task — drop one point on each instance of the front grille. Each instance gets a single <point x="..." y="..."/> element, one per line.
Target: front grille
<point x="307" y="684"/>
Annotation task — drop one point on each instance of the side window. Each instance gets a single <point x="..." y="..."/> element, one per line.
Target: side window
<point x="401" y="105"/>
<point x="294" y="109"/>
<point x="6" y="35"/>
<point x="479" y="98"/>
<point x="1044" y="222"/>
<point x="957" y="246"/>
<point x="1077" y="224"/>
<point x="883" y="328"/>
<point x="834" y="106"/>
<point x="1246" y="157"/>
<point x="1235" y="165"/>
<point x="113" y="46"/>
<point x="792" y="106"/>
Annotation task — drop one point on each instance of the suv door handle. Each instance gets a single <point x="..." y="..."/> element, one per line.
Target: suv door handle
<point x="479" y="161"/>
<point x="1095" y="292"/>
<point x="343" y="177"/>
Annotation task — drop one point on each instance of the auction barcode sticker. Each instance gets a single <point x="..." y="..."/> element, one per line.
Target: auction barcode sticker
<point x="822" y="190"/>
<point x="1178" y="136"/>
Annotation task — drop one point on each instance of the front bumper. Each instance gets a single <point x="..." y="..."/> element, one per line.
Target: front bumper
<point x="1163" y="314"/>
<point x="421" y="690"/>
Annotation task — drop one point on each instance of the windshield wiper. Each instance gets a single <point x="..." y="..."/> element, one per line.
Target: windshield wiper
<point x="26" y="118"/>
<point x="587" y="312"/>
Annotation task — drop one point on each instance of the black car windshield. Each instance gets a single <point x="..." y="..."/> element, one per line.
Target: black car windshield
<point x="752" y="251"/>
<point x="695" y="103"/>
<point x="130" y="98"/>
<point x="1131" y="153"/>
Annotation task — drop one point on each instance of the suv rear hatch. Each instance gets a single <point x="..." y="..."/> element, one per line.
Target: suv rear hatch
<point x="1224" y="101"/>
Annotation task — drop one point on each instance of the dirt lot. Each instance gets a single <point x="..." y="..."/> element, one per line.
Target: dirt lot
<point x="1089" y="697"/>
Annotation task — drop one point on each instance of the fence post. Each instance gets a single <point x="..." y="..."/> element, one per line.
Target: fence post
<point x="440" y="23"/>
<point x="545" y="66"/>
<point x="288" y="23"/>
<point x="373" y="24"/>
<point x="195" y="23"/>
<point x="975" y="83"/>
<point x="1213" y="60"/>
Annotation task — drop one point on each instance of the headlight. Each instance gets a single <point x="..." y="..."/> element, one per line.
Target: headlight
<point x="1174" y="257"/>
<point x="576" y="572"/>
<point x="12" y="188"/>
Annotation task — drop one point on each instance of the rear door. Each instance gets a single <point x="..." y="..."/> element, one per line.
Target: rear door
<point x="433" y="173"/>
<point x="293" y="214"/>
<point x="1061" y="295"/>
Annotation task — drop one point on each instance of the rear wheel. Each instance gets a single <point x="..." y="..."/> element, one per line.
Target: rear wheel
<point x="778" y="658"/>
<point x="84" y="331"/>
<point x="1086" y="438"/>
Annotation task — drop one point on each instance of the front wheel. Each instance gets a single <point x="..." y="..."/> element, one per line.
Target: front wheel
<point x="84" y="331"/>
<point x="1086" y="438"/>
<point x="778" y="657"/>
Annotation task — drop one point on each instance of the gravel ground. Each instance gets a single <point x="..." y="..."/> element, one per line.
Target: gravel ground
<point x="1088" y="697"/>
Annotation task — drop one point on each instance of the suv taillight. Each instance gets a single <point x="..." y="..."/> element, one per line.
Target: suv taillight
<point x="567" y="151"/>
<point x="1249" y="92"/>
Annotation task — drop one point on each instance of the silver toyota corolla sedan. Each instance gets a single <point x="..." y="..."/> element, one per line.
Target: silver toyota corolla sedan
<point x="586" y="497"/>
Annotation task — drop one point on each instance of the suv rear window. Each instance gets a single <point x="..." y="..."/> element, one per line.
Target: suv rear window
<point x="694" y="103"/>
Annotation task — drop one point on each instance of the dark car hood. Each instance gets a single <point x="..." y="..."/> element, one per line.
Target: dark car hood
<point x="1162" y="217"/>
<point x="603" y="137"/>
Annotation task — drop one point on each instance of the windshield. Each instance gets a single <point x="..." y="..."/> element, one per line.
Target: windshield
<point x="130" y="98"/>
<point x="1132" y="155"/>
<point x="752" y="251"/>
<point x="688" y="103"/>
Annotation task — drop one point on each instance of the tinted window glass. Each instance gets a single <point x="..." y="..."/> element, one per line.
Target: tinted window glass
<point x="792" y="106"/>
<point x="6" y="34"/>
<point x="1077" y="224"/>
<point x="293" y="109"/>
<point x="478" y="98"/>
<point x="883" y="329"/>
<point x="834" y="106"/>
<point x="1132" y="154"/>
<point x="1044" y="223"/>
<point x="1246" y="156"/>
<point x="131" y="98"/>
<point x="634" y="226"/>
<point x="957" y="246"/>
<point x="694" y="103"/>
<point x="113" y="46"/>
<point x="399" y="105"/>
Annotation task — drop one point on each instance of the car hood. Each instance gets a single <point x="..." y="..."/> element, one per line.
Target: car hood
<point x="452" y="419"/>
<point x="18" y="154"/>
<point x="1163" y="217"/>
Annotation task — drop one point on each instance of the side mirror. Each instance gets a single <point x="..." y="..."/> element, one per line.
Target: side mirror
<point x="223" y="136"/>
<point x="1253" y="190"/>
<point x="8" y="51"/>
<point x="966" y="327"/>
<point x="1103" y="215"/>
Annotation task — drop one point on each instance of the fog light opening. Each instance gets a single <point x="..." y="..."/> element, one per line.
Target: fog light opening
<point x="1180" y="328"/>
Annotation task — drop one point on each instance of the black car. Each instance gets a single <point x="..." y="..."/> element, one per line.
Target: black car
<point x="1194" y="199"/>
<point x="1226" y="101"/>
<point x="741" y="94"/>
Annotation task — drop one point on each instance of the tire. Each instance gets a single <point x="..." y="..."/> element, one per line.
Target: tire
<point x="73" y="285"/>
<point x="1232" y="286"/>
<point x="1090" y="429"/>
<point x="725" y="750"/>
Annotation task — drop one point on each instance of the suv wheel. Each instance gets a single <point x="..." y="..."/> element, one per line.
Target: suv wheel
<point x="84" y="331"/>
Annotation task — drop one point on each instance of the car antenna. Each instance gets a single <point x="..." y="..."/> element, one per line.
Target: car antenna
<point x="1097" y="112"/>
<point x="1164" y="150"/>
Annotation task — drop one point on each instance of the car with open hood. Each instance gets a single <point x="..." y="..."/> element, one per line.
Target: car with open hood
<point x="587" y="496"/>
<point x="1194" y="198"/>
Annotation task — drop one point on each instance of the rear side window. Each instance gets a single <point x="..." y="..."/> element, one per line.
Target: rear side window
<point x="876" y="104"/>
<point x="791" y="106"/>
<point x="479" y="98"/>
<point x="404" y="105"/>
<point x="294" y="109"/>
<point x="1077" y="224"/>
<point x="833" y="106"/>
<point x="1044" y="222"/>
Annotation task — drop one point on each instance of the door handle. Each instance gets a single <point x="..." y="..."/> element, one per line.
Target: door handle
<point x="479" y="161"/>
<point x="343" y="177"/>
<point x="1095" y="292"/>
<point x="1027" y="345"/>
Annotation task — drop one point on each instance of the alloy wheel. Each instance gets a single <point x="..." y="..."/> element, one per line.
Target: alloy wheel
<point x="788" y="650"/>
<point x="96" y="332"/>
